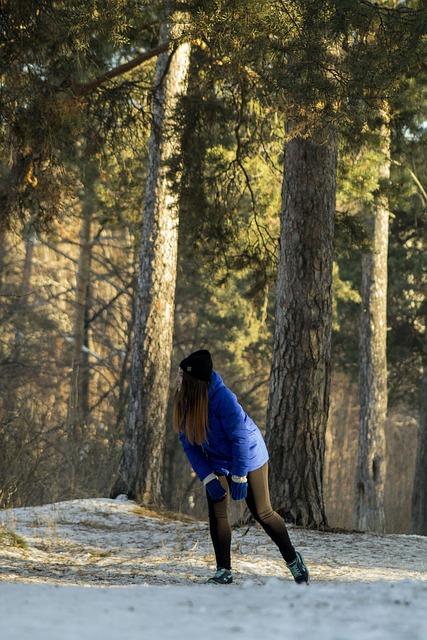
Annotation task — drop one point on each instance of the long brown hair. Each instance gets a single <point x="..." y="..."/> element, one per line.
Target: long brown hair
<point x="190" y="409"/>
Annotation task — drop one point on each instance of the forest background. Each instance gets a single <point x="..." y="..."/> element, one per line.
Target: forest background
<point x="76" y="109"/>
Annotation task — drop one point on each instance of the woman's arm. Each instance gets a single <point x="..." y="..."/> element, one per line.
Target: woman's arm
<point x="232" y="418"/>
<point x="196" y="458"/>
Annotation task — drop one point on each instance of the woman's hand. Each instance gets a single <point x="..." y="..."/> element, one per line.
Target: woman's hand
<point x="216" y="490"/>
<point x="239" y="487"/>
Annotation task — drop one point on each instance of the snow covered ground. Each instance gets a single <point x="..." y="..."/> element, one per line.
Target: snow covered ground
<point x="109" y="569"/>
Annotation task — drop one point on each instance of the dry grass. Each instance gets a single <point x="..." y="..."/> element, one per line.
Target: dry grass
<point x="10" y="539"/>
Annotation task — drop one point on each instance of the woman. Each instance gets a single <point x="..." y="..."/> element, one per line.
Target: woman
<point x="228" y="454"/>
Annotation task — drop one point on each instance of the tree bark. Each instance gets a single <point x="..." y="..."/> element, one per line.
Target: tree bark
<point x="78" y="407"/>
<point x="2" y="255"/>
<point x="301" y="367"/>
<point x="140" y="470"/>
<point x="371" y="465"/>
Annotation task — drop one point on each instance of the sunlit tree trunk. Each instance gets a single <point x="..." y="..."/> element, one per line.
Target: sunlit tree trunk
<point x="140" y="471"/>
<point x="22" y="317"/>
<point x="371" y="466"/>
<point x="22" y="307"/>
<point x="301" y="367"/>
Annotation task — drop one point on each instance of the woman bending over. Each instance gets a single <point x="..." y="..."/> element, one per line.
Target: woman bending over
<point x="228" y="454"/>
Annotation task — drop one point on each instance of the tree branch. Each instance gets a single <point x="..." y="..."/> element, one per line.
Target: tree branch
<point x="84" y="89"/>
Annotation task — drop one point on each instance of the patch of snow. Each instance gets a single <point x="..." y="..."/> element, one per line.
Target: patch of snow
<point x="362" y="585"/>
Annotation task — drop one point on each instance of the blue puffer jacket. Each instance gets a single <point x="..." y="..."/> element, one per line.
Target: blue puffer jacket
<point x="234" y="443"/>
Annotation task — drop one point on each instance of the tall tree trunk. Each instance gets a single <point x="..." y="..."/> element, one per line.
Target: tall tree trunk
<point x="123" y="392"/>
<point x="12" y="382"/>
<point x="140" y="470"/>
<point x="79" y="386"/>
<point x="419" y="498"/>
<point x="301" y="367"/>
<point x="22" y="318"/>
<point x="371" y="465"/>
<point x="22" y="309"/>
<point x="2" y="255"/>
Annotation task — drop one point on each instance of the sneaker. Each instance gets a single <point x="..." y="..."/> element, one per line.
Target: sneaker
<point x="222" y="576"/>
<point x="298" y="569"/>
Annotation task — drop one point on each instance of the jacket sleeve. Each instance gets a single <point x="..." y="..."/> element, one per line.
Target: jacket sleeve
<point x="196" y="458"/>
<point x="232" y="418"/>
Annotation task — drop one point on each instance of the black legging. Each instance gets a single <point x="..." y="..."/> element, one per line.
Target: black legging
<point x="258" y="501"/>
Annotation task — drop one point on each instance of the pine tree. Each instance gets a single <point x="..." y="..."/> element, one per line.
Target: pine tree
<point x="59" y="86"/>
<point x="300" y="374"/>
<point x="314" y="62"/>
<point x="371" y="469"/>
<point x="140" y="470"/>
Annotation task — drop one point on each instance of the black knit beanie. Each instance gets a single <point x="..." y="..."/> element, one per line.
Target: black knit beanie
<point x="198" y="365"/>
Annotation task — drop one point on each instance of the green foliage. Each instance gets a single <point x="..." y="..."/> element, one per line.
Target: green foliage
<point x="344" y="293"/>
<point x="50" y="50"/>
<point x="407" y="310"/>
<point x="231" y="178"/>
<point x="311" y="62"/>
<point x="120" y="187"/>
<point x="229" y="225"/>
<point x="314" y="60"/>
<point x="238" y="332"/>
<point x="406" y="192"/>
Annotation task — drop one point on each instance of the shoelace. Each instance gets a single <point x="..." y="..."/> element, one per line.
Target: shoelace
<point x="296" y="570"/>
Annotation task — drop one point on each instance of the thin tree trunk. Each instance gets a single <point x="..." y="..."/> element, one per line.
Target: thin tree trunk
<point x="301" y="367"/>
<point x="419" y="498"/>
<point x="13" y="381"/>
<point x="123" y="391"/>
<point x="24" y="291"/>
<point x="22" y="318"/>
<point x="371" y="465"/>
<point x="2" y="254"/>
<point x="79" y="386"/>
<point x="140" y="470"/>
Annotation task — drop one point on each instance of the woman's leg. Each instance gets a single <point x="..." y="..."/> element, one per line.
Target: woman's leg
<point x="258" y="501"/>
<point x="219" y="527"/>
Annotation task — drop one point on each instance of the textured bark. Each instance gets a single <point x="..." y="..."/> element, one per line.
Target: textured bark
<point x="301" y="368"/>
<point x="371" y="465"/>
<point x="419" y="499"/>
<point x="78" y="407"/>
<point x="140" y="471"/>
